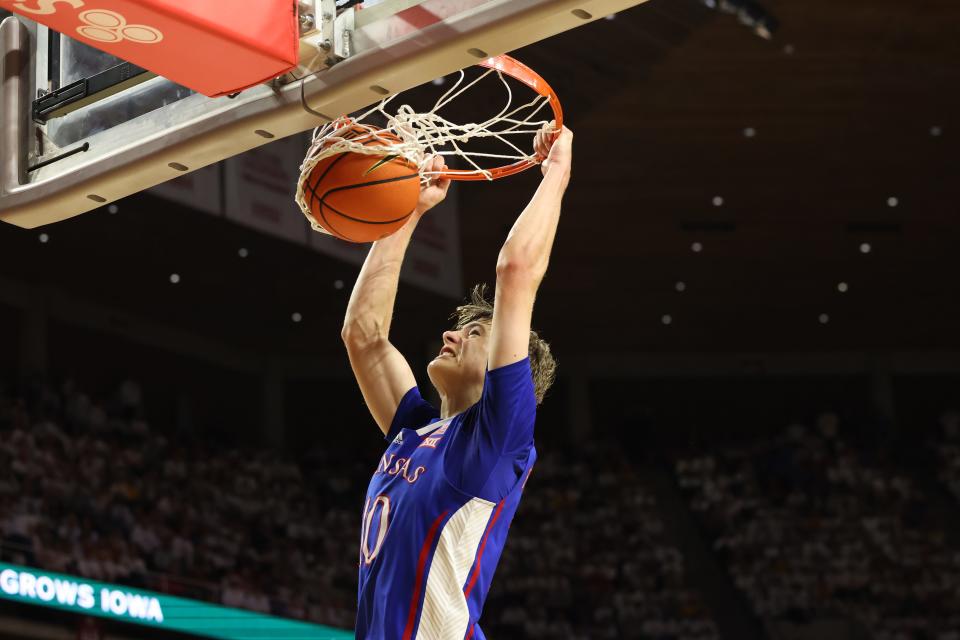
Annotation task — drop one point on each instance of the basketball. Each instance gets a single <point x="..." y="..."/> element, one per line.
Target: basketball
<point x="360" y="197"/>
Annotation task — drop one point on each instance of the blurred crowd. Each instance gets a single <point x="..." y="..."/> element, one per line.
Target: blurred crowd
<point x="87" y="488"/>
<point x="589" y="557"/>
<point x="946" y="448"/>
<point x="811" y="527"/>
<point x="808" y="525"/>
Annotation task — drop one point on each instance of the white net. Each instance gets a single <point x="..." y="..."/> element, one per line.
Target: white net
<point x="418" y="137"/>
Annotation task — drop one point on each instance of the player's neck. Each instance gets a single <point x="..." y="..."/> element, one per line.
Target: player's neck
<point x="453" y="403"/>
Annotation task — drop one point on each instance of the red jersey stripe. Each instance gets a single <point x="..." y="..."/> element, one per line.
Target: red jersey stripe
<point x="418" y="582"/>
<point x="476" y="566"/>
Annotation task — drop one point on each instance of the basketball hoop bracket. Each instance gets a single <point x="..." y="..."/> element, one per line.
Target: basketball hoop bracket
<point x="325" y="37"/>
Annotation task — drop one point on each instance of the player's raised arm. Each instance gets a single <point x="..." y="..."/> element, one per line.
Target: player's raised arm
<point x="380" y="369"/>
<point x="526" y="252"/>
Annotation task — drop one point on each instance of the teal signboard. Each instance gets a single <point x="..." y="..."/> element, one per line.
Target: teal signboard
<point x="123" y="604"/>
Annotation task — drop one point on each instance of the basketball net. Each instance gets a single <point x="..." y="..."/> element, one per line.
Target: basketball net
<point x="425" y="135"/>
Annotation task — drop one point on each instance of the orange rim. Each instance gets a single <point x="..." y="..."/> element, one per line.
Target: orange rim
<point x="519" y="71"/>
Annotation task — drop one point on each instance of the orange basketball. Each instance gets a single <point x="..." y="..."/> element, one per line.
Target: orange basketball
<point x="360" y="197"/>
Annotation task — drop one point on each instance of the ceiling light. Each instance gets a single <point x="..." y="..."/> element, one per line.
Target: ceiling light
<point x="44" y="238"/>
<point x="113" y="209"/>
<point x="936" y="131"/>
<point x="842" y="287"/>
<point x="824" y="318"/>
<point x="696" y="247"/>
<point x="174" y="278"/>
<point x="681" y="286"/>
<point x="338" y="284"/>
<point x="243" y="253"/>
<point x="296" y="317"/>
<point x="717" y="201"/>
<point x="666" y="319"/>
<point x="865" y="247"/>
<point x="439" y="81"/>
<point x="749" y="132"/>
<point x="892" y="201"/>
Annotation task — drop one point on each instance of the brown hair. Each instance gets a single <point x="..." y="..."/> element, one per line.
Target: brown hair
<point x="542" y="364"/>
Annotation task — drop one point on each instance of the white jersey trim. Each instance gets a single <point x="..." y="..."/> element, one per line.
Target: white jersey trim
<point x="445" y="614"/>
<point x="433" y="426"/>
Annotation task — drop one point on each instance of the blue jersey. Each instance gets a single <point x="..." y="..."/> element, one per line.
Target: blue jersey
<point x="438" y="510"/>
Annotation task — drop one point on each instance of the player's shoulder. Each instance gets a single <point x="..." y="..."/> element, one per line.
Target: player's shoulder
<point x="511" y="369"/>
<point x="511" y="383"/>
<point x="412" y="412"/>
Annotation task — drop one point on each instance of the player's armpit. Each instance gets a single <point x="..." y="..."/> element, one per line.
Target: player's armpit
<point x="384" y="377"/>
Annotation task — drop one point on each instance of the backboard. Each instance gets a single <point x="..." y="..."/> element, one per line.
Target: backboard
<point x="81" y="128"/>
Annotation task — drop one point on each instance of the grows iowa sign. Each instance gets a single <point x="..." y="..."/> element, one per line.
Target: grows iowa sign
<point x="87" y="597"/>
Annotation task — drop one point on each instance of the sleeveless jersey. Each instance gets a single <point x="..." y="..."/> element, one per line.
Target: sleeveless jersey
<point x="438" y="509"/>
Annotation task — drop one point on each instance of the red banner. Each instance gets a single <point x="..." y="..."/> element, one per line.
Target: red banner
<point x="215" y="47"/>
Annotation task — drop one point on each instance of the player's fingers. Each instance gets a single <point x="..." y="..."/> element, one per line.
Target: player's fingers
<point x="540" y="145"/>
<point x="431" y="170"/>
<point x="443" y="183"/>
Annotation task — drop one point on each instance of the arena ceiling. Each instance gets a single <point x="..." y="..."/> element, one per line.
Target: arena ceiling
<point x="840" y="132"/>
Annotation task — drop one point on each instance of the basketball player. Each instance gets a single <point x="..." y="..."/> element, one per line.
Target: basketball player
<point x="440" y="502"/>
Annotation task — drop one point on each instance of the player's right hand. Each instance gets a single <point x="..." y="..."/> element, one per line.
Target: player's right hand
<point x="556" y="148"/>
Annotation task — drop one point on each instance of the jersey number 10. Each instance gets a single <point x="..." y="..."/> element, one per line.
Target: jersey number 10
<point x="369" y="512"/>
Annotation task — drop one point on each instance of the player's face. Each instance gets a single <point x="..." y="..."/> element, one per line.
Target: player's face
<point x="463" y="356"/>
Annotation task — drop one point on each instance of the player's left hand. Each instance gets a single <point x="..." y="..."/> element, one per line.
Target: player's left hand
<point x="434" y="191"/>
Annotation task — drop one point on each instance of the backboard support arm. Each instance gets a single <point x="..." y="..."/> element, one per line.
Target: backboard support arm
<point x="14" y="100"/>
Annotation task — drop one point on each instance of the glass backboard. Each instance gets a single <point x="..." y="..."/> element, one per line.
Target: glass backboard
<point x="125" y="91"/>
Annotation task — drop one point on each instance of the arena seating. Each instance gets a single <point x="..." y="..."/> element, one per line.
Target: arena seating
<point x="88" y="491"/>
<point x="946" y="449"/>
<point x="810" y="526"/>
<point x="588" y="558"/>
<point x="813" y="528"/>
